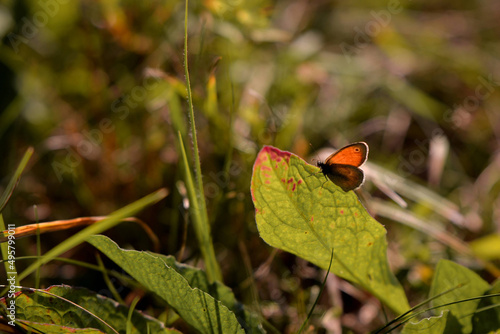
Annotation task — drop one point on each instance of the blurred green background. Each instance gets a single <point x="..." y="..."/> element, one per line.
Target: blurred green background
<point x="98" y="89"/>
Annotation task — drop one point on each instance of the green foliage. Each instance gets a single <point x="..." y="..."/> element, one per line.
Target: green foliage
<point x="297" y="211"/>
<point x="458" y="307"/>
<point x="430" y="325"/>
<point x="78" y="311"/>
<point x="99" y="90"/>
<point x="487" y="315"/>
<point x="448" y="275"/>
<point x="208" y="307"/>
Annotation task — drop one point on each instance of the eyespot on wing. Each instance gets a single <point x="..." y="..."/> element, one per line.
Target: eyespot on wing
<point x="354" y="154"/>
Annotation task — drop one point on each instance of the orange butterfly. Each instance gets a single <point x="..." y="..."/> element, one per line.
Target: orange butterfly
<point x="342" y="166"/>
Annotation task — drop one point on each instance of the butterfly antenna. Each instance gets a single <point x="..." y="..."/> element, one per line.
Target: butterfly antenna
<point x="311" y="161"/>
<point x="314" y="150"/>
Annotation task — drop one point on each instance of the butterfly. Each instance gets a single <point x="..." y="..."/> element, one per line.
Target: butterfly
<point x="341" y="167"/>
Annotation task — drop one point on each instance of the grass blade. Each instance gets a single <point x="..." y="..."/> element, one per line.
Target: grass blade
<point x="15" y="179"/>
<point x="96" y="228"/>
<point x="204" y="237"/>
<point x="201" y="226"/>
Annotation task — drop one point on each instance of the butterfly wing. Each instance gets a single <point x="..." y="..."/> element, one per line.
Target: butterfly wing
<point x="353" y="154"/>
<point x="345" y="176"/>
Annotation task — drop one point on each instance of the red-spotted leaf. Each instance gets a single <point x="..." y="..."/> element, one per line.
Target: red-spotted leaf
<point x="298" y="210"/>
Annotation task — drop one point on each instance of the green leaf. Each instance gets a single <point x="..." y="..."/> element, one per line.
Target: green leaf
<point x="45" y="312"/>
<point x="489" y="318"/>
<point x="45" y="328"/>
<point x="187" y="290"/>
<point x="199" y="279"/>
<point x="431" y="325"/>
<point x="301" y="212"/>
<point x="449" y="275"/>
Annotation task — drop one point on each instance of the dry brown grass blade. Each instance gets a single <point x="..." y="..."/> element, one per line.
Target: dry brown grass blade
<point x="59" y="225"/>
<point x="431" y="228"/>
